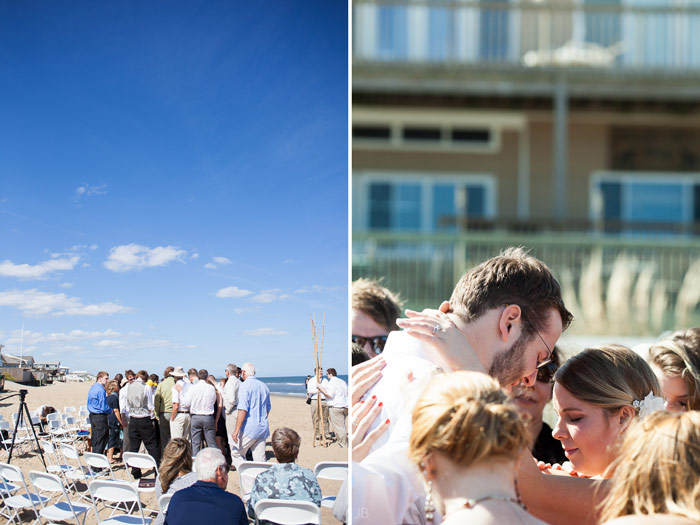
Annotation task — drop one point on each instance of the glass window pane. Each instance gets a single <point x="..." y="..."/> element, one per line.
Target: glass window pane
<point x="655" y="202"/>
<point x="476" y="201"/>
<point x="611" y="200"/>
<point x="379" y="205"/>
<point x="407" y="207"/>
<point x="444" y="207"/>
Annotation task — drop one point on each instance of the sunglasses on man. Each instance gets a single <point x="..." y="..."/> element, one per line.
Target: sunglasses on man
<point x="377" y="342"/>
<point x="545" y="373"/>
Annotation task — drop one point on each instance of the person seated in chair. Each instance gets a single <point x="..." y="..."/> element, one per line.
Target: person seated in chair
<point x="285" y="480"/>
<point x="208" y="497"/>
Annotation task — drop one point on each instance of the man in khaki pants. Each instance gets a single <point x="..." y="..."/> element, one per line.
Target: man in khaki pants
<point x="312" y="390"/>
<point x="180" y="417"/>
<point x="231" y="401"/>
<point x="336" y="392"/>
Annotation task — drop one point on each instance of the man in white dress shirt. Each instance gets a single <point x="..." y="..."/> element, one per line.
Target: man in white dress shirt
<point x="202" y="401"/>
<point x="337" y="400"/>
<point x="180" y="418"/>
<point x="504" y="317"/>
<point x="231" y="401"/>
<point x="312" y="391"/>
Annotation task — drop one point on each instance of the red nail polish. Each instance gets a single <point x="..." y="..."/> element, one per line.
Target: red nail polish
<point x="386" y="422"/>
<point x="362" y="401"/>
<point x="381" y="403"/>
<point x="374" y="397"/>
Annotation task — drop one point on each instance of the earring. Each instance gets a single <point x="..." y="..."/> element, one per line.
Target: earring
<point x="429" y="505"/>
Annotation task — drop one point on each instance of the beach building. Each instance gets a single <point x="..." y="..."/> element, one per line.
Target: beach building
<point x="572" y="128"/>
<point x="20" y="369"/>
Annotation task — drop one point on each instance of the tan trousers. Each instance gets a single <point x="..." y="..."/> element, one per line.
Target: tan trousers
<point x="180" y="427"/>
<point x="314" y="417"/>
<point x="339" y="418"/>
<point x="231" y="420"/>
<point x="244" y="444"/>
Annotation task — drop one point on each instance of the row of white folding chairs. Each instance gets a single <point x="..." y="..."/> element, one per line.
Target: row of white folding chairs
<point x="16" y="496"/>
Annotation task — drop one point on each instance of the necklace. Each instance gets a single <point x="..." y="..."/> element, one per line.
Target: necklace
<point x="471" y="502"/>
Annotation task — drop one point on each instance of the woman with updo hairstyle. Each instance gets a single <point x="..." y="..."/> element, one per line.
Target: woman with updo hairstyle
<point x="466" y="437"/>
<point x="676" y="363"/>
<point x="657" y="475"/>
<point x="175" y="471"/>
<point x="597" y="394"/>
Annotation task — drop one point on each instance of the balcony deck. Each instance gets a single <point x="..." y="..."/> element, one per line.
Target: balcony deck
<point x="493" y="47"/>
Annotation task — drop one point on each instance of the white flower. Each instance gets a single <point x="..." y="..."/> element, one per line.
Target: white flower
<point x="649" y="404"/>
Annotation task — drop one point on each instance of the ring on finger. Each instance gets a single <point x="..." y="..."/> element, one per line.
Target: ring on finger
<point x="436" y="329"/>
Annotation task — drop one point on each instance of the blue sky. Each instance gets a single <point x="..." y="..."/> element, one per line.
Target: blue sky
<point x="173" y="183"/>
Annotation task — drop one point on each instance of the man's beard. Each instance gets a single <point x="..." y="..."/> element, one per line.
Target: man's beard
<point x="508" y="366"/>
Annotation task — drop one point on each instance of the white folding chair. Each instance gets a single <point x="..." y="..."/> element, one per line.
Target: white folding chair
<point x="332" y="470"/>
<point x="7" y="489"/>
<point x="54" y="462"/>
<point x="17" y="502"/>
<point x="64" y="508"/>
<point x="143" y="462"/>
<point x="99" y="462"/>
<point x="53" y="416"/>
<point x="7" y="442"/>
<point x="247" y="472"/>
<point x="81" y="472"/>
<point x="287" y="512"/>
<point x="119" y="493"/>
<point x="164" y="502"/>
<point x="140" y="461"/>
<point x="69" y="410"/>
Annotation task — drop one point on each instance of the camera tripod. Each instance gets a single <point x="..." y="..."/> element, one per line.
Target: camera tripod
<point x="23" y="414"/>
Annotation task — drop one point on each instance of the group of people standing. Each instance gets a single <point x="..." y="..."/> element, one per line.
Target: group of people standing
<point x="190" y="405"/>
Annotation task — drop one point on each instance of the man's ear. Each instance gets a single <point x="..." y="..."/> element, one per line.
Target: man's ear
<point x="510" y="317"/>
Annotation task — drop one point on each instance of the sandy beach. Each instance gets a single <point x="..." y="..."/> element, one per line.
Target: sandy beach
<point x="286" y="411"/>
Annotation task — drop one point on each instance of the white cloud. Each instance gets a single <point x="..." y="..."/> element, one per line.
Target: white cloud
<point x="86" y="190"/>
<point x="269" y="296"/>
<point x="66" y="285"/>
<point x="264" y="332"/>
<point x="315" y="288"/>
<point x="108" y="343"/>
<point x="136" y="257"/>
<point x="93" y="247"/>
<point x="35" y="303"/>
<point x="246" y="310"/>
<point x="233" y="291"/>
<point x="216" y="262"/>
<point x="195" y="255"/>
<point x="38" y="271"/>
<point x="289" y="261"/>
<point x="221" y="260"/>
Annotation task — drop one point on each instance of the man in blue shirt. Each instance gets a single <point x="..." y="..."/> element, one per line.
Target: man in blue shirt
<point x="99" y="410"/>
<point x="252" y="427"/>
<point x="207" y="499"/>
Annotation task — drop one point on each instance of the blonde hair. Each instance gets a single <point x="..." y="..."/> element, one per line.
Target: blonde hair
<point x="658" y="471"/>
<point x="468" y="418"/>
<point x="676" y="357"/>
<point x="112" y="386"/>
<point x="177" y="457"/>
<point x="609" y="377"/>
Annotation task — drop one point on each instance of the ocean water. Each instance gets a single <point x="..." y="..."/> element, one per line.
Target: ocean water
<point x="289" y="385"/>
